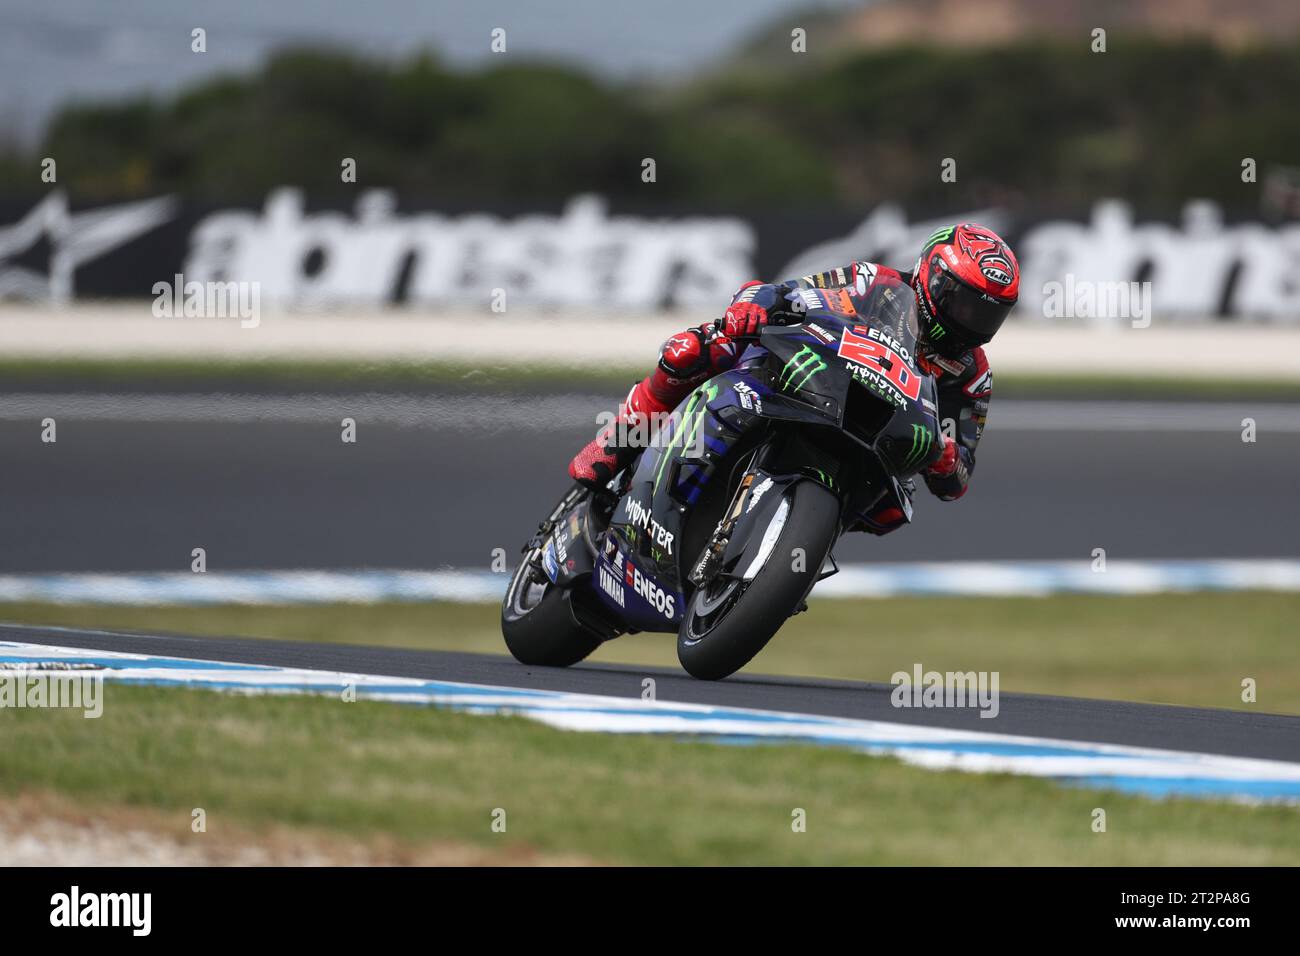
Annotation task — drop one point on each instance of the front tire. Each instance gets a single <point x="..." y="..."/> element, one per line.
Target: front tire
<point x="728" y="621"/>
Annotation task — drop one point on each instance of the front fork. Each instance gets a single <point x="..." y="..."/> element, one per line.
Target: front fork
<point x="753" y="486"/>
<point x="706" y="568"/>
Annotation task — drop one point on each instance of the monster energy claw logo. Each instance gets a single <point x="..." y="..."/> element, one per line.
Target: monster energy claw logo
<point x="807" y="363"/>
<point x="922" y="438"/>
<point x="689" y="429"/>
<point x="939" y="235"/>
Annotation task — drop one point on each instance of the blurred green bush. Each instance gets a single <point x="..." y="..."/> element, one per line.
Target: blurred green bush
<point x="1037" y="124"/>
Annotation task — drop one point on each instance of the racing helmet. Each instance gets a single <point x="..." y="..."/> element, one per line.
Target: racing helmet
<point x="966" y="280"/>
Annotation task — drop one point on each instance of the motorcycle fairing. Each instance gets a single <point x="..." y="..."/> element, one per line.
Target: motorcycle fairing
<point x="637" y="596"/>
<point x="646" y="528"/>
<point x="565" y="555"/>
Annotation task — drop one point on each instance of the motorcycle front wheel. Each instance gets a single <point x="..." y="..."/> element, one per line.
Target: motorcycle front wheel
<point x="730" y="619"/>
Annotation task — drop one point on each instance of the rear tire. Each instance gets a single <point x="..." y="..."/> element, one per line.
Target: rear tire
<point x="712" y="646"/>
<point x="541" y="631"/>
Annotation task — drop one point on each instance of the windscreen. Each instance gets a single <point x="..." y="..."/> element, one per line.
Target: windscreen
<point x="890" y="305"/>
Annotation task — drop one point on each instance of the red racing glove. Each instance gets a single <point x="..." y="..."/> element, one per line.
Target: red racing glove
<point x="947" y="463"/>
<point x="743" y="320"/>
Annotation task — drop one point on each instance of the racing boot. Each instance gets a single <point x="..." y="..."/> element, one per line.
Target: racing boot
<point x="617" y="445"/>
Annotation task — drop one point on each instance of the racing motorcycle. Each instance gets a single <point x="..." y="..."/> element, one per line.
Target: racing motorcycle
<point x="725" y="521"/>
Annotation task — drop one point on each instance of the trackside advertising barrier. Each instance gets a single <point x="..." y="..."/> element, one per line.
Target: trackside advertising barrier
<point x="1105" y="264"/>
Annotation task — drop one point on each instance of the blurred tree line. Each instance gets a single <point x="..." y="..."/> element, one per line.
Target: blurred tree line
<point x="1034" y="124"/>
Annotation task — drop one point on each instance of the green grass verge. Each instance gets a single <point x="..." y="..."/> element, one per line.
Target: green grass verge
<point x="308" y="374"/>
<point x="1192" y="649"/>
<point x="414" y="773"/>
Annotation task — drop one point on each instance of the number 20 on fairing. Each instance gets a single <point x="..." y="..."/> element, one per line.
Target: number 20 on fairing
<point x="860" y="349"/>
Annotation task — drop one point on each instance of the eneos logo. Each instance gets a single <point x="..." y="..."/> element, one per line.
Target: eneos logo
<point x="654" y="595"/>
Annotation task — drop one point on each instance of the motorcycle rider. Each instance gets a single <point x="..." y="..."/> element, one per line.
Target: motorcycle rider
<point x="966" y="280"/>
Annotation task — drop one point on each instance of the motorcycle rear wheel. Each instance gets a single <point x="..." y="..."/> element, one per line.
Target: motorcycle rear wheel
<point x="537" y="622"/>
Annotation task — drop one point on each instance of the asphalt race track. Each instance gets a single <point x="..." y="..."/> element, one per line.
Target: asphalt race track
<point x="1201" y="730"/>
<point x="265" y="482"/>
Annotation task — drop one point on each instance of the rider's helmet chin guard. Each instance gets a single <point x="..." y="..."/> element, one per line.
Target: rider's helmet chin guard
<point x="966" y="281"/>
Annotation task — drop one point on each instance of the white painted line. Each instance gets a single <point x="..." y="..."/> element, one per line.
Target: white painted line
<point x="940" y="578"/>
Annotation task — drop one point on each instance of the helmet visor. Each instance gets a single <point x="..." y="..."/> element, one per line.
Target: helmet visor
<point x="966" y="310"/>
